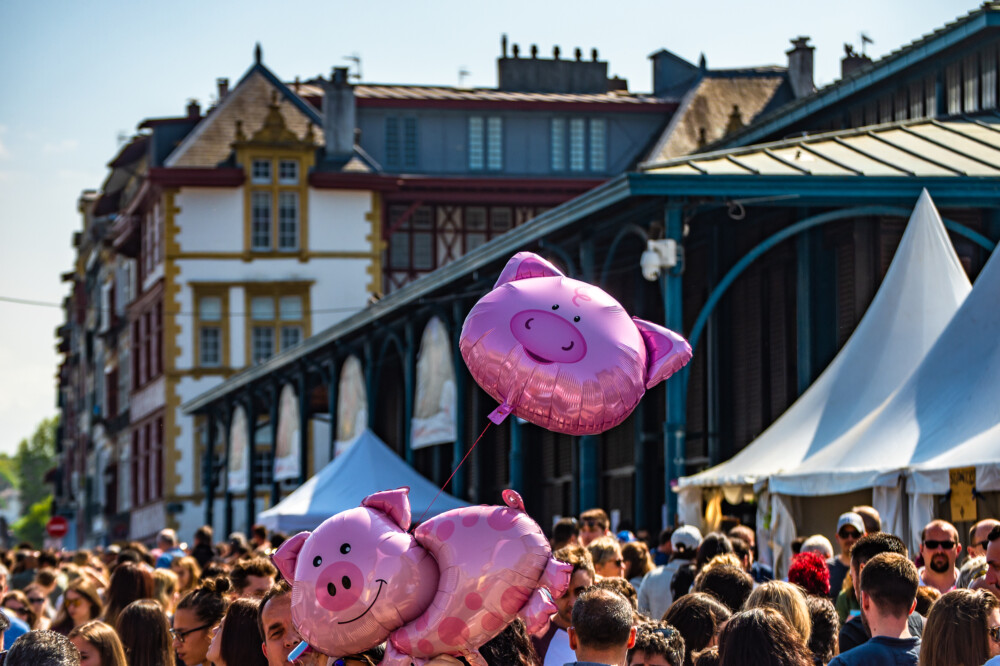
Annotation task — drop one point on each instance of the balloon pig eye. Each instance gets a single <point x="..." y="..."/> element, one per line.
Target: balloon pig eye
<point x="576" y="318"/>
<point x="317" y="561"/>
<point x="555" y="307"/>
<point x="345" y="549"/>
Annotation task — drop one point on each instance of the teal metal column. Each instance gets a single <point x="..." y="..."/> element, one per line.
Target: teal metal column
<point x="273" y="416"/>
<point x="589" y="472"/>
<point x="208" y="472"/>
<point x="301" y="389"/>
<point x="803" y="309"/>
<point x="227" y="519"/>
<point x="639" y="461"/>
<point x="458" y="448"/>
<point x="409" y="381"/>
<point x="516" y="455"/>
<point x="675" y="427"/>
<point x="587" y="444"/>
<point x="251" y="460"/>
<point x="332" y="379"/>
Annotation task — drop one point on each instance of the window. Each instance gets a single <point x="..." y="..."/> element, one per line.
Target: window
<point x="476" y="160"/>
<point x="597" y="142"/>
<point x="288" y="221"/>
<point x="260" y="221"/>
<point x="494" y="144"/>
<point x="558" y="143"/>
<point x="577" y="127"/>
<point x="410" y="142"/>
<point x="288" y="172"/>
<point x="277" y="322"/>
<point x="210" y="331"/>
<point x="261" y="172"/>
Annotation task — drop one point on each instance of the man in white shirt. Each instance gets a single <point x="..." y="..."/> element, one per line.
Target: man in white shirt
<point x="939" y="547"/>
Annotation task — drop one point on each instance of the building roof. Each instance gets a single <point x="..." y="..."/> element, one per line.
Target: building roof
<point x="132" y="151"/>
<point x="369" y="94"/>
<point x="957" y="147"/>
<point x="923" y="49"/>
<point x="705" y="114"/>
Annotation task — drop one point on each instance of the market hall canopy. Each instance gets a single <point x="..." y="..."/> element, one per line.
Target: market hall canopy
<point x="922" y="290"/>
<point x="365" y="467"/>
<point x="946" y="415"/>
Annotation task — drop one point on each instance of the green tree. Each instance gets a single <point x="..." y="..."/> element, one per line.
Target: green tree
<point x="31" y="526"/>
<point x="34" y="458"/>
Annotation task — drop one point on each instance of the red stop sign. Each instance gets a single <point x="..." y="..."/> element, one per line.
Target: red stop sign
<point x="57" y="527"/>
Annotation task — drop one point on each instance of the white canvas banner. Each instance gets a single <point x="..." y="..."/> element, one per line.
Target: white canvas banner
<point x="352" y="404"/>
<point x="434" y="409"/>
<point x="286" y="457"/>
<point x="237" y="470"/>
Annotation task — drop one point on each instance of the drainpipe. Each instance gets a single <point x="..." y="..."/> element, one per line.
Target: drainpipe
<point x="675" y="427"/>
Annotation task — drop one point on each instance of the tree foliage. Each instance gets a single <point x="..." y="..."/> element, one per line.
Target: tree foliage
<point x="34" y="458"/>
<point x="31" y="526"/>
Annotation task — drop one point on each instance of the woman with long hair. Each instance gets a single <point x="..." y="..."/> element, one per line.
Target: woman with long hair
<point x="236" y="640"/>
<point x="638" y="562"/>
<point x="197" y="614"/>
<point x="17" y="603"/>
<point x="165" y="586"/>
<point x="130" y="582"/>
<point x="39" y="603"/>
<point x="788" y="600"/>
<point x="145" y="634"/>
<point x="762" y="637"/>
<point x="698" y="616"/>
<point x="188" y="573"/>
<point x="98" y="644"/>
<point x="963" y="629"/>
<point x="81" y="603"/>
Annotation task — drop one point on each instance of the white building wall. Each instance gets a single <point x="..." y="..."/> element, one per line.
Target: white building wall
<point x="237" y="339"/>
<point x="338" y="220"/>
<point x="211" y="219"/>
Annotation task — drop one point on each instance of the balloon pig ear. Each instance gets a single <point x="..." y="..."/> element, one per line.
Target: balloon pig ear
<point x="525" y="265"/>
<point x="393" y="503"/>
<point x="666" y="351"/>
<point x="288" y="554"/>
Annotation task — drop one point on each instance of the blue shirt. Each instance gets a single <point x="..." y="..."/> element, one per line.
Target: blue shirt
<point x="166" y="559"/>
<point x="882" y="651"/>
<point x="18" y="628"/>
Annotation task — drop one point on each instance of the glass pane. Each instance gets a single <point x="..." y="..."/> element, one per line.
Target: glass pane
<point x="501" y="219"/>
<point x="288" y="221"/>
<point x="410" y="142"/>
<point x="392" y="142"/>
<point x="290" y="308"/>
<point x="472" y="241"/>
<point x="476" y="157"/>
<point x="494" y="144"/>
<point x="597" y="143"/>
<point x="261" y="172"/>
<point x="423" y="251"/>
<point x="288" y="172"/>
<point x="576" y="139"/>
<point x="399" y="250"/>
<point x="475" y="218"/>
<point x="558" y="143"/>
<point x="260" y="221"/>
<point x="422" y="218"/>
<point x="395" y="213"/>
<point x="210" y="308"/>
<point x="290" y="336"/>
<point x="210" y="347"/>
<point x="263" y="343"/>
<point x="262" y="308"/>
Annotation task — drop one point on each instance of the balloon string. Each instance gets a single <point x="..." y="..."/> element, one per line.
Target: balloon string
<point x="453" y="472"/>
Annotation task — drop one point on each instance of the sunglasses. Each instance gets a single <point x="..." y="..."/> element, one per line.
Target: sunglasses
<point x="618" y="563"/>
<point x="849" y="534"/>
<point x="931" y="544"/>
<point x="36" y="600"/>
<point x="995" y="633"/>
<point x="181" y="635"/>
<point x="984" y="544"/>
<point x="74" y="603"/>
<point x="19" y="610"/>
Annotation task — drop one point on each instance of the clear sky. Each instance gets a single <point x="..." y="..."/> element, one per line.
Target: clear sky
<point x="76" y="75"/>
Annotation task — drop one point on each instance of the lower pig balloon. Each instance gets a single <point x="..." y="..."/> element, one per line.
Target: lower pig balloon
<point x="454" y="584"/>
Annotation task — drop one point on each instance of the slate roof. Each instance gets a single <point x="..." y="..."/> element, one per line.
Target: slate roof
<point x="967" y="146"/>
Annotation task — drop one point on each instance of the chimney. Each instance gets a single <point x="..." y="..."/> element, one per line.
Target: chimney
<point x="222" y="84"/>
<point x="338" y="114"/>
<point x="193" y="109"/>
<point x="852" y="62"/>
<point x="800" y="67"/>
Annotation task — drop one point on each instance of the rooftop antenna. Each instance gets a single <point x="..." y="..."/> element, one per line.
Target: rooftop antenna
<point x="356" y="59"/>
<point x="865" y="40"/>
<point x="463" y="73"/>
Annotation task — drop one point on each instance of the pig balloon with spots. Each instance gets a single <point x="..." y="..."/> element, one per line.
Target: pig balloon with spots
<point x="455" y="583"/>
<point x="561" y="353"/>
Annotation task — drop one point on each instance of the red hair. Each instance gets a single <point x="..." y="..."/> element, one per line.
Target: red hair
<point x="809" y="572"/>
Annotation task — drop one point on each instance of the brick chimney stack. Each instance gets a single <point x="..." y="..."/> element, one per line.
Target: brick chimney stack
<point x="339" y="115"/>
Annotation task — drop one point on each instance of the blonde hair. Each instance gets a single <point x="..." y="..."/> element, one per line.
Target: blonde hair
<point x="191" y="565"/>
<point x="165" y="584"/>
<point x="725" y="559"/>
<point x="788" y="600"/>
<point x="603" y="548"/>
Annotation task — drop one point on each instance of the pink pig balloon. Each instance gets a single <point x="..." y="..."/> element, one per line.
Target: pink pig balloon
<point x="561" y="353"/>
<point x="456" y="583"/>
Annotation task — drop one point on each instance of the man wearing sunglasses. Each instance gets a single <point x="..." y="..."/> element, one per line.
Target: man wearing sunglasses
<point x="594" y="524"/>
<point x="850" y="528"/>
<point x="939" y="548"/>
<point x="979" y="538"/>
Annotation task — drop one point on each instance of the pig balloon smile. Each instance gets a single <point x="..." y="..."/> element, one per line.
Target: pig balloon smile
<point x="380" y="584"/>
<point x="561" y="353"/>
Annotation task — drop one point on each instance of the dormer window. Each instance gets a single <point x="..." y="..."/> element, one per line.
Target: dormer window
<point x="261" y="172"/>
<point x="288" y="172"/>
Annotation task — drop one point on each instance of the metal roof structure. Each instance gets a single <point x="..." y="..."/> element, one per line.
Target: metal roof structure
<point x="956" y="147"/>
<point x="872" y="165"/>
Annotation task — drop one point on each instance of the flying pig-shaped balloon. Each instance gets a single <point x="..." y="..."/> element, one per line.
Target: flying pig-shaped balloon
<point x="451" y="586"/>
<point x="561" y="353"/>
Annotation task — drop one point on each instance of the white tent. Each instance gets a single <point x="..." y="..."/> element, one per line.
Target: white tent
<point x="946" y="415"/>
<point x="921" y="291"/>
<point x="366" y="466"/>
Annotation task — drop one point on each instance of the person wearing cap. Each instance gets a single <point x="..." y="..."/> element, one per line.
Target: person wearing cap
<point x="655" y="595"/>
<point x="850" y="528"/>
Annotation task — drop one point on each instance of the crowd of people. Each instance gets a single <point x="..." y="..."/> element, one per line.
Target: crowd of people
<point x="685" y="599"/>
